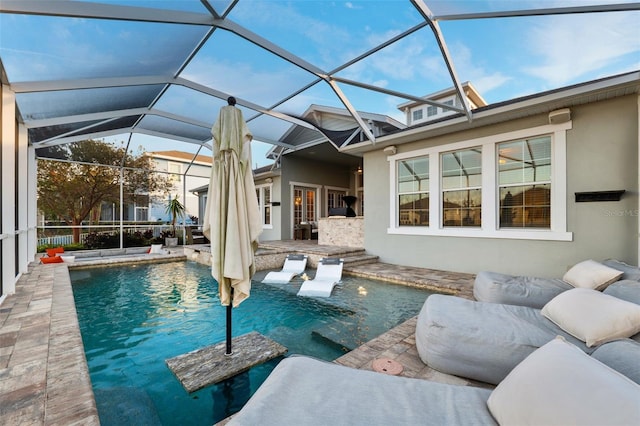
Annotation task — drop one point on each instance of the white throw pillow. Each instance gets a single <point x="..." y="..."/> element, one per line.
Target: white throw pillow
<point x="591" y="274"/>
<point x="592" y="316"/>
<point x="156" y="249"/>
<point x="558" y="384"/>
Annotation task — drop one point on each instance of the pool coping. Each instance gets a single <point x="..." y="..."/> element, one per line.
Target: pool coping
<point x="44" y="377"/>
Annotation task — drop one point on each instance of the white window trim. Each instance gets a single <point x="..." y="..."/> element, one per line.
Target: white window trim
<point x="332" y="188"/>
<point x="490" y="224"/>
<point x="262" y="204"/>
<point x="178" y="175"/>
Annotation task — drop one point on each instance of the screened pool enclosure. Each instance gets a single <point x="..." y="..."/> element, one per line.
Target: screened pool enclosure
<point x="155" y="74"/>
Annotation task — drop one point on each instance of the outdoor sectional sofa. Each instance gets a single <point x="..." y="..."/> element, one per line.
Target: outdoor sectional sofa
<point x="485" y="341"/>
<point x="567" y="380"/>
<point x="564" y="386"/>
<point x="535" y="292"/>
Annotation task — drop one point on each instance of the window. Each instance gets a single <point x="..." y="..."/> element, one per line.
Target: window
<point x="175" y="170"/>
<point x="266" y="207"/>
<point x="462" y="187"/>
<point x="511" y="185"/>
<point x="524" y="183"/>
<point x="334" y="199"/>
<point x="263" y="193"/>
<point x="417" y="114"/>
<point x="449" y="102"/>
<point x="142" y="214"/>
<point x="413" y="191"/>
<point x="432" y="110"/>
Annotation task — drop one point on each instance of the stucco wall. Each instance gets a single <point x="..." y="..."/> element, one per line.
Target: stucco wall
<point x="602" y="154"/>
<point x="312" y="173"/>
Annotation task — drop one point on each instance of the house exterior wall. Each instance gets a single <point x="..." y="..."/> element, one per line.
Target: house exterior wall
<point x="198" y="176"/>
<point x="601" y="154"/>
<point x="273" y="232"/>
<point x="312" y="173"/>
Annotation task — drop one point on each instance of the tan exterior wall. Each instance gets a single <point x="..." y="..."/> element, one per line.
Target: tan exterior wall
<point x="312" y="173"/>
<point x="602" y="154"/>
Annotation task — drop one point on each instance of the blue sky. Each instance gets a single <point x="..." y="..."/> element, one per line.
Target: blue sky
<point x="503" y="58"/>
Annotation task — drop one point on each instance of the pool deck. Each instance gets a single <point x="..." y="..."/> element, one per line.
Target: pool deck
<point x="44" y="379"/>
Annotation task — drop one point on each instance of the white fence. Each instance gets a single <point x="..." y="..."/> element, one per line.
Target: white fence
<point x="61" y="240"/>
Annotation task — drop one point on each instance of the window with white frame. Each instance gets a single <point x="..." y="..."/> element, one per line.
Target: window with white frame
<point x="524" y="183"/>
<point x="432" y="110"/>
<point x="263" y="192"/>
<point x="142" y="214"/>
<point x="510" y="185"/>
<point x="417" y="114"/>
<point x="462" y="187"/>
<point x="175" y="172"/>
<point x="334" y="198"/>
<point x="413" y="191"/>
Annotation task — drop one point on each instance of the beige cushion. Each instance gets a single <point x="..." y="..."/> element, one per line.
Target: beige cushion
<point x="592" y="316"/>
<point x="156" y="249"/>
<point x="591" y="274"/>
<point x="559" y="384"/>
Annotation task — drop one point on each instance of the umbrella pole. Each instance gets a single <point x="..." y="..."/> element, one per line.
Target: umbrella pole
<point x="229" y="308"/>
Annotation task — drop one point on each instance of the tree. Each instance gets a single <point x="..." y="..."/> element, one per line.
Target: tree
<point x="176" y="210"/>
<point x="71" y="189"/>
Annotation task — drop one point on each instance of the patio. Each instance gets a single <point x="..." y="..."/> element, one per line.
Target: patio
<point x="43" y="372"/>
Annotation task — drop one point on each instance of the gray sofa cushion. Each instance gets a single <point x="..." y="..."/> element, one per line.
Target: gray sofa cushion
<point x="630" y="272"/>
<point x="481" y="341"/>
<point x="628" y="290"/>
<point x="621" y="355"/>
<point x="533" y="292"/>
<point x="305" y="391"/>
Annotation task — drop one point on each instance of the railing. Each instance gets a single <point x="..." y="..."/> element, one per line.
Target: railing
<point x="62" y="238"/>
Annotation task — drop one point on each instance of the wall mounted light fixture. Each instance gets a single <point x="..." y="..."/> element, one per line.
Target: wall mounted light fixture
<point x="390" y="150"/>
<point x="560" y="116"/>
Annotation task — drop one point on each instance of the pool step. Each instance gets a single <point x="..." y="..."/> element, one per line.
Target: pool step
<point x="345" y="336"/>
<point x="360" y="258"/>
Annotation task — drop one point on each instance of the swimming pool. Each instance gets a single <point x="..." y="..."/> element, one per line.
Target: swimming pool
<point x="133" y="318"/>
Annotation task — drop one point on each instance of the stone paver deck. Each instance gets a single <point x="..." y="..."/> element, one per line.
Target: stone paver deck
<point x="44" y="378"/>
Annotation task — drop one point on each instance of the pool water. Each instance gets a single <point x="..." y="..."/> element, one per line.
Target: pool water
<point x="133" y="318"/>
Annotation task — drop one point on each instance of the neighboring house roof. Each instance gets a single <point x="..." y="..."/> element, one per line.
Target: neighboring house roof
<point x="259" y="173"/>
<point x="201" y="189"/>
<point x="182" y="156"/>
<point x="472" y="94"/>
<point x="540" y="103"/>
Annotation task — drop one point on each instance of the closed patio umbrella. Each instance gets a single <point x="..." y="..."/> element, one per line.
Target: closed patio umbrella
<point x="232" y="222"/>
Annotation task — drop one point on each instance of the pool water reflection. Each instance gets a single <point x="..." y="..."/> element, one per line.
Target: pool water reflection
<point x="133" y="318"/>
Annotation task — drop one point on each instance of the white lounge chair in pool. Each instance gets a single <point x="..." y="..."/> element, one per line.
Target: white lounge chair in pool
<point x="294" y="264"/>
<point x="328" y="274"/>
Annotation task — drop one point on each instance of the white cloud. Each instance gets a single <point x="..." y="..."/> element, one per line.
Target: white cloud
<point x="469" y="69"/>
<point x="565" y="48"/>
